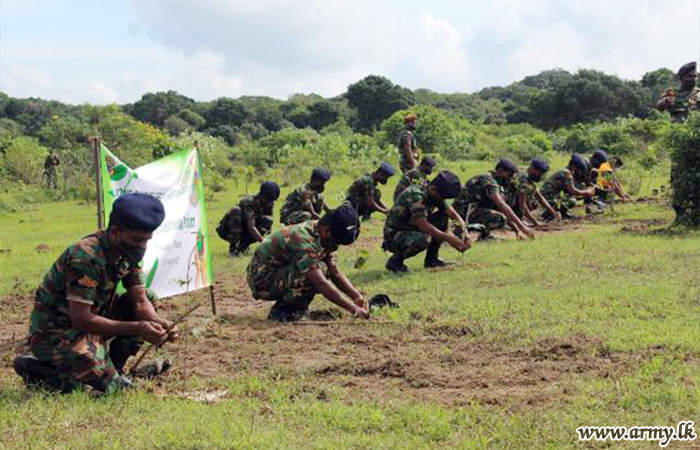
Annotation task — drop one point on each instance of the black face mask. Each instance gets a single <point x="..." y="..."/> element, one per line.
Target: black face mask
<point x="534" y="178"/>
<point x="318" y="188"/>
<point x="411" y="126"/>
<point x="688" y="83"/>
<point x="134" y="254"/>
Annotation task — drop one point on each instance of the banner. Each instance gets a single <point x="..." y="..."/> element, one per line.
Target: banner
<point x="177" y="259"/>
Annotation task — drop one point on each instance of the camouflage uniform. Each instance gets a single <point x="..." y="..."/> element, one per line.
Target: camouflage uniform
<point x="233" y="226"/>
<point x="50" y="170"/>
<point x="403" y="238"/>
<point x="554" y="190"/>
<point x="521" y="184"/>
<point x="87" y="272"/>
<point x="410" y="178"/>
<point x="278" y="269"/>
<point x="358" y="192"/>
<point x="298" y="202"/>
<point x="478" y="191"/>
<point x="407" y="136"/>
<point x="684" y="102"/>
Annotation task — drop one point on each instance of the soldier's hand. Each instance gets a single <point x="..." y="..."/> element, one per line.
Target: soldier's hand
<point x="529" y="233"/>
<point x="152" y="332"/>
<point x="174" y="333"/>
<point x="458" y="244"/>
<point x="557" y="216"/>
<point x="361" y="312"/>
<point x="360" y="301"/>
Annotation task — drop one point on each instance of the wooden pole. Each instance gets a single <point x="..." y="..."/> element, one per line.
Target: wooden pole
<point x="211" y="298"/>
<point x="98" y="183"/>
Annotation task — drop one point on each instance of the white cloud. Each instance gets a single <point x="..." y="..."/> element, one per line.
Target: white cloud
<point x="25" y="81"/>
<point x="98" y="92"/>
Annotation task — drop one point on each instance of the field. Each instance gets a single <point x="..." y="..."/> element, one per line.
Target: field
<point x="515" y="346"/>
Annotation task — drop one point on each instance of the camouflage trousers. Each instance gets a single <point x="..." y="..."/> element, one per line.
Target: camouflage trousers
<point x="285" y="285"/>
<point x="50" y="178"/>
<point x="408" y="243"/>
<point x="405" y="166"/>
<point x="88" y="358"/>
<point x="298" y="217"/>
<point x="236" y="231"/>
<point x="561" y="205"/>
<point x="360" y="204"/>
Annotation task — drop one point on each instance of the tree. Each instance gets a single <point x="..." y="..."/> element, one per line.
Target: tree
<point x="684" y="144"/>
<point x="375" y="98"/>
<point x="155" y="108"/>
<point x="226" y="111"/>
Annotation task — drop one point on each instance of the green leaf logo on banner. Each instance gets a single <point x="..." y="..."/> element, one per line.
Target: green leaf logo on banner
<point x="118" y="173"/>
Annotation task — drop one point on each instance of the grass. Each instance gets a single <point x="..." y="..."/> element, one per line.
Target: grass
<point x="516" y="347"/>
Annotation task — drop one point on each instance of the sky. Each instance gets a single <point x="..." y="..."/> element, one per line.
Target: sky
<point x="106" y="51"/>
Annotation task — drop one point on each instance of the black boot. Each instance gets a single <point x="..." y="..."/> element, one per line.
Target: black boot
<point x="395" y="264"/>
<point x="36" y="374"/>
<point x="283" y="311"/>
<point x="432" y="259"/>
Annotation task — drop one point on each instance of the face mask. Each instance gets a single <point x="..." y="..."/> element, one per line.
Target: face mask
<point x="534" y="178"/>
<point x="688" y="83"/>
<point x="318" y="188"/>
<point x="133" y="254"/>
<point x="411" y="126"/>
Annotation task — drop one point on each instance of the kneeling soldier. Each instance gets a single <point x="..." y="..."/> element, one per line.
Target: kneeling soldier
<point x="560" y="189"/>
<point x="306" y="202"/>
<point x="419" y="220"/>
<point x="524" y="195"/>
<point x="486" y="194"/>
<point x="417" y="176"/>
<point x="297" y="262"/>
<point x="363" y="194"/>
<point x="81" y="331"/>
<point x="250" y="220"/>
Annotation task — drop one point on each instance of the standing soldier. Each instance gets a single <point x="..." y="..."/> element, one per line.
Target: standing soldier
<point x="417" y="176"/>
<point x="81" y="331"/>
<point x="250" y="220"/>
<point x="306" y="202"/>
<point x="524" y="194"/>
<point x="486" y="195"/>
<point x="297" y="262"/>
<point x="50" y="170"/>
<point x="687" y="98"/>
<point x="408" y="146"/>
<point x="560" y="189"/>
<point x="364" y="195"/>
<point x="419" y="220"/>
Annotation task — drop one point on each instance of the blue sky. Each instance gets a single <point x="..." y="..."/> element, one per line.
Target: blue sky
<point x="115" y="51"/>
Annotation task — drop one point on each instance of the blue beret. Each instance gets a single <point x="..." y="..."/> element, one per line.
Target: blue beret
<point x="599" y="157"/>
<point x="507" y="164"/>
<point x="345" y="225"/>
<point x="387" y="169"/>
<point x="687" y="68"/>
<point x="270" y="190"/>
<point x="578" y="161"/>
<point x="447" y="184"/>
<point x="321" y="173"/>
<point x="137" y="212"/>
<point x="428" y="161"/>
<point x="540" y="164"/>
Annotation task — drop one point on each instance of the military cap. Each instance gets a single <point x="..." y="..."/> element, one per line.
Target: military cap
<point x="599" y="157"/>
<point x="409" y="117"/>
<point x="321" y="173"/>
<point x="270" y="190"/>
<point x="507" y="164"/>
<point x="540" y="164"/>
<point x="579" y="161"/>
<point x="447" y="184"/>
<point x="137" y="212"/>
<point x="387" y="169"/>
<point x="428" y="161"/>
<point x="687" y="68"/>
<point x="345" y="225"/>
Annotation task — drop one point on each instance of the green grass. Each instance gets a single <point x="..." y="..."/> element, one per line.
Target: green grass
<point x="630" y="298"/>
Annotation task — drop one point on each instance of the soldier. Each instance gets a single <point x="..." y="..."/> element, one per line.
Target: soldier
<point x="687" y="98"/>
<point x="561" y="188"/>
<point x="250" y="220"/>
<point x="486" y="194"/>
<point x="419" y="220"/>
<point x="408" y="146"/>
<point x="418" y="176"/>
<point x="363" y="194"/>
<point x="297" y="262"/>
<point x="50" y="170"/>
<point x="524" y="194"/>
<point x="306" y="202"/>
<point x="81" y="331"/>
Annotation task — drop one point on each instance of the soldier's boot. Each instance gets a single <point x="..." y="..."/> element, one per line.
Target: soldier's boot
<point x="432" y="259"/>
<point x="34" y="373"/>
<point x="395" y="264"/>
<point x="290" y="311"/>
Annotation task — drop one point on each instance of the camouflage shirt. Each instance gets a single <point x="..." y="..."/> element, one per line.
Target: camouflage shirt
<point x="302" y="198"/>
<point x="407" y="136"/>
<point x="556" y="185"/>
<point x="361" y="188"/>
<point x="478" y="190"/>
<point x="299" y="245"/>
<point x="412" y="177"/>
<point x="412" y="204"/>
<point x="521" y="184"/>
<point x="87" y="272"/>
<point x="684" y="102"/>
<point x="247" y="208"/>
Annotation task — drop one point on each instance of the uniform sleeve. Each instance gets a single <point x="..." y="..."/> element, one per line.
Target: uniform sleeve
<point x="492" y="188"/>
<point x="248" y="210"/>
<point x="82" y="279"/>
<point x="568" y="179"/>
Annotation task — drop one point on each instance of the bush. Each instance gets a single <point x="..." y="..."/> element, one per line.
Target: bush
<point x="683" y="142"/>
<point x="24" y="159"/>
